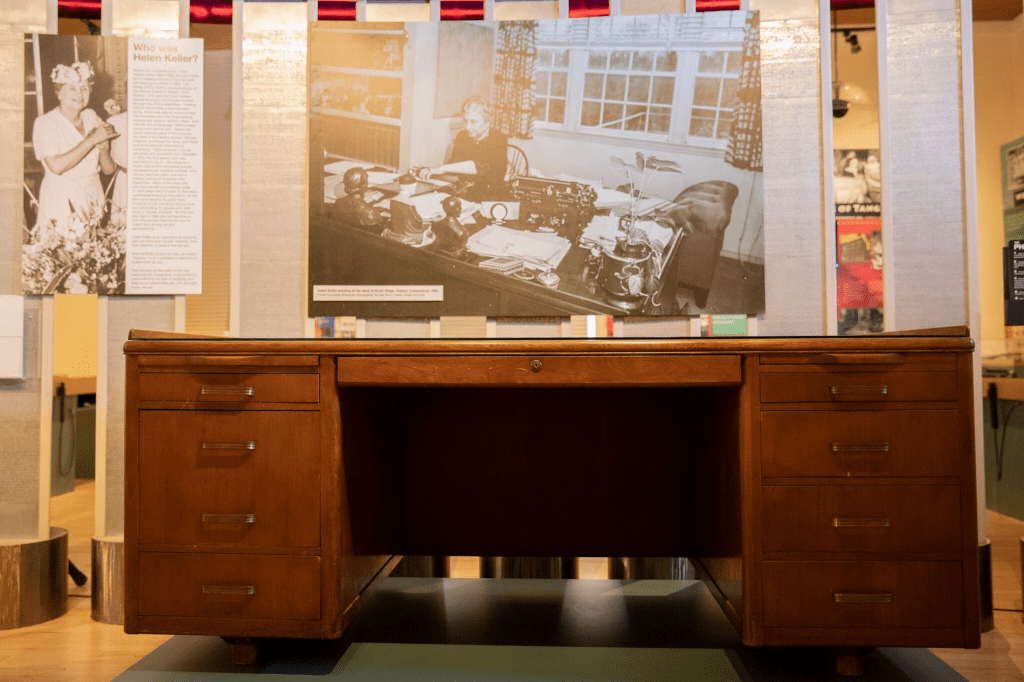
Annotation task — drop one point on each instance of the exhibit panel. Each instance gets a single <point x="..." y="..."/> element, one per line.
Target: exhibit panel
<point x="839" y="466"/>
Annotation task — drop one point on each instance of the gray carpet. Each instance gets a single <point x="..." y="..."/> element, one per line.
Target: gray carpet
<point x="537" y="630"/>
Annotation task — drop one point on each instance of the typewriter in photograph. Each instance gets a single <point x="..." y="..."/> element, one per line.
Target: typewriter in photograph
<point x="554" y="205"/>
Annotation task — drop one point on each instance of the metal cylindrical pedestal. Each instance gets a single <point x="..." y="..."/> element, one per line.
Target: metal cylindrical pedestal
<point x="423" y="567"/>
<point x="33" y="580"/>
<point x="108" y="580"/>
<point x="650" y="568"/>
<point x="564" y="568"/>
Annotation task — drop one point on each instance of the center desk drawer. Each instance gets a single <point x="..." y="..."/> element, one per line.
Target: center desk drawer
<point x="229" y="586"/>
<point x="211" y="387"/>
<point x="542" y="370"/>
<point x="229" y="478"/>
<point x="861" y="518"/>
<point x="846" y="387"/>
<point x="797" y="443"/>
<point x="863" y="594"/>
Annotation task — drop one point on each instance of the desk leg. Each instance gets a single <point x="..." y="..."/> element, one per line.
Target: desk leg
<point x="848" y="661"/>
<point x="244" y="650"/>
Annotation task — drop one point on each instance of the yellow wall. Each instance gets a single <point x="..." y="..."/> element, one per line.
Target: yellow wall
<point x="999" y="116"/>
<point x="74" y="335"/>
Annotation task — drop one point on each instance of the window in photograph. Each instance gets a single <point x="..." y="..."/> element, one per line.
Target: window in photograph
<point x="629" y="90"/>
<point x="671" y="78"/>
<point x="714" y="94"/>
<point x="551" y="84"/>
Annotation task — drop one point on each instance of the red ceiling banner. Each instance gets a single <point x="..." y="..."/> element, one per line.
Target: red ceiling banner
<point x="717" y="5"/>
<point x="327" y="10"/>
<point x="453" y="10"/>
<point x="588" y="8"/>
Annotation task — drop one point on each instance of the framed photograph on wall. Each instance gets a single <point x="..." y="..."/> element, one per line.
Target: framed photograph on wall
<point x="615" y="160"/>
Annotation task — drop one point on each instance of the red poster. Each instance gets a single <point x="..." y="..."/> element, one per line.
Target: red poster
<point x="859" y="252"/>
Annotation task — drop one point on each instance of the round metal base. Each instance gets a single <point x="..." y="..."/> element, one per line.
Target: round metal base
<point x="33" y="580"/>
<point x="108" y="580"/>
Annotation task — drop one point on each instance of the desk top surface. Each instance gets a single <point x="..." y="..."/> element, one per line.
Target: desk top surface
<point x="944" y="339"/>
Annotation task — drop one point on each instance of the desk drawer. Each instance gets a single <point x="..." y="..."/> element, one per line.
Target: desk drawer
<point x="858" y="518"/>
<point x="229" y="387"/>
<point x="847" y="387"/>
<point x="861" y="443"/>
<point x="863" y="594"/>
<point x="229" y="478"/>
<point x="542" y="370"/>
<point x="229" y="586"/>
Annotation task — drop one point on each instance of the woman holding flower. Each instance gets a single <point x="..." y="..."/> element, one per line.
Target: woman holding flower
<point x="73" y="144"/>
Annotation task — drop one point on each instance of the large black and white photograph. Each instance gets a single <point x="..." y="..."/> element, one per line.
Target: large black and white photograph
<point x="607" y="165"/>
<point x="90" y="227"/>
<point x="75" y="191"/>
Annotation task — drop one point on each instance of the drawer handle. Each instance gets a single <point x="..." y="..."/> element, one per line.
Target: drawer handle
<point x="862" y="598"/>
<point x="882" y="389"/>
<point x="861" y="523"/>
<point x="244" y="445"/>
<point x="229" y="589"/>
<point x="229" y="518"/>
<point x="536" y="366"/>
<point x="860" y="447"/>
<point x="857" y="359"/>
<point x="227" y="390"/>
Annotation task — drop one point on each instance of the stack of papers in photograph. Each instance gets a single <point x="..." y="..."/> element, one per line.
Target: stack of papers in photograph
<point x="429" y="206"/>
<point x="538" y="250"/>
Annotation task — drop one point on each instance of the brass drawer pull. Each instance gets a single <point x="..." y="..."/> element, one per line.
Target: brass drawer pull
<point x="861" y="523"/>
<point x="244" y="445"/>
<point x="859" y="447"/>
<point x="229" y="518"/>
<point x="882" y="389"/>
<point x="536" y="366"/>
<point x="229" y="589"/>
<point x="862" y="598"/>
<point x="227" y="390"/>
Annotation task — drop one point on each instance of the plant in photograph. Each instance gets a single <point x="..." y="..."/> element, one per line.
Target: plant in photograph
<point x="637" y="176"/>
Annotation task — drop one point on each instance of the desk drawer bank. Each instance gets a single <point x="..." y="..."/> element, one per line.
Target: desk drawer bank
<point x="823" y="487"/>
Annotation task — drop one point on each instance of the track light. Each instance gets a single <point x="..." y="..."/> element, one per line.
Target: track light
<point x="851" y="38"/>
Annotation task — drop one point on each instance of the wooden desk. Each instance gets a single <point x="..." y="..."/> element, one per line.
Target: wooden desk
<point x="824" y="487"/>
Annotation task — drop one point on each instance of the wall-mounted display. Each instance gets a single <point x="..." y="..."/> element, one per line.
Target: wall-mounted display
<point x="96" y="107"/>
<point x="859" y="258"/>
<point x="609" y="165"/>
<point x="1012" y="154"/>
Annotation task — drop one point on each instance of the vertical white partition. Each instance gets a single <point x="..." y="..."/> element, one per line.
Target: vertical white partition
<point x="21" y="503"/>
<point x="794" y="229"/>
<point x="925" y="271"/>
<point x="273" y="205"/>
<point x="25" y="403"/>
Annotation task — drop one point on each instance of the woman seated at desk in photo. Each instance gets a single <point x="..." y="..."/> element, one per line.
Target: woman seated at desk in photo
<point x="478" y="151"/>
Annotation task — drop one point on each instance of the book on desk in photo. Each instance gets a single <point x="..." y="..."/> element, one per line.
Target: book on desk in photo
<point x="503" y="265"/>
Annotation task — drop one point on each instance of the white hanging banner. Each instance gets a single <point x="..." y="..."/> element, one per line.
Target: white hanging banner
<point x="165" y="158"/>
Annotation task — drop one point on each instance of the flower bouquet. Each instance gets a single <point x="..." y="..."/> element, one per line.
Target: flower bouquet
<point x="83" y="254"/>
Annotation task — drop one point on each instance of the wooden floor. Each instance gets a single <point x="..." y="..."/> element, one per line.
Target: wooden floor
<point x="75" y="648"/>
